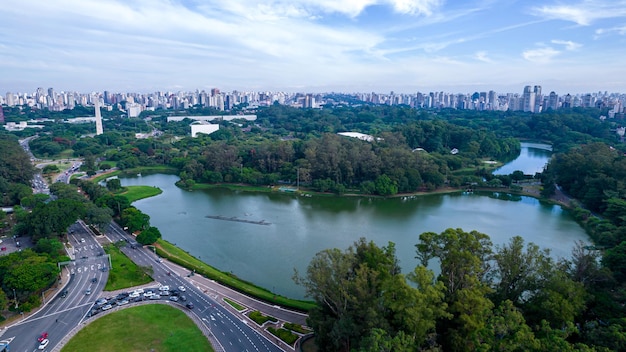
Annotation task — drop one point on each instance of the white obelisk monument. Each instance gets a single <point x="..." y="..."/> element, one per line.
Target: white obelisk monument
<point x="96" y="104"/>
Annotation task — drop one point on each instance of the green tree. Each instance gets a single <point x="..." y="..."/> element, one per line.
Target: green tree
<point x="464" y="259"/>
<point x="149" y="235"/>
<point x="114" y="184"/>
<point x="134" y="219"/>
<point x="32" y="275"/>
<point x="363" y="299"/>
<point x="384" y="186"/>
<point x="51" y="246"/>
<point x="98" y="216"/>
<point x="517" y="274"/>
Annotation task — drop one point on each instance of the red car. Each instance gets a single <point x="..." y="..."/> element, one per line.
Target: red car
<point x="42" y="337"/>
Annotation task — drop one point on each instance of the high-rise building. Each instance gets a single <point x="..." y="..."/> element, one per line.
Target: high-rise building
<point x="1" y="114"/>
<point x="96" y="104"/>
<point x="528" y="99"/>
<point x="10" y="99"/>
<point x="553" y="101"/>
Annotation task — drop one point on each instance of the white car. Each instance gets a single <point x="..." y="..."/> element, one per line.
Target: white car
<point x="43" y="344"/>
<point x="182" y="288"/>
<point x="164" y="288"/>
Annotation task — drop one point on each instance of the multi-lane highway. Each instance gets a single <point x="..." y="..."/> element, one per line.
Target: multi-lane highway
<point x="233" y="333"/>
<point x="65" y="311"/>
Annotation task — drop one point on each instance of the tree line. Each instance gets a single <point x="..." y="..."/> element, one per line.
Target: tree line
<point x="513" y="297"/>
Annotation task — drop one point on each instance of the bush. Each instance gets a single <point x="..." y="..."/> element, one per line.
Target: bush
<point x="283" y="334"/>
<point x="296" y="327"/>
<point x="260" y="318"/>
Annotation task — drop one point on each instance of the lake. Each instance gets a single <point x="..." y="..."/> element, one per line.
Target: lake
<point x="299" y="227"/>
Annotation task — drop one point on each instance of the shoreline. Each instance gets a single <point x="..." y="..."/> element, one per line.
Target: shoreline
<point x="529" y="190"/>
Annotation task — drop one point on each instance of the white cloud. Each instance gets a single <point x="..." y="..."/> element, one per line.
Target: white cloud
<point x="482" y="56"/>
<point x="569" y="45"/>
<point x="314" y="8"/>
<point x="621" y="30"/>
<point x="540" y="55"/>
<point x="583" y="13"/>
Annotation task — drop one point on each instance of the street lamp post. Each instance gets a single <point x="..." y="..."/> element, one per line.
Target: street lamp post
<point x="15" y="296"/>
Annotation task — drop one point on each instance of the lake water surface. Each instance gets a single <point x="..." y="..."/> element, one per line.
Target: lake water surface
<point x="300" y="227"/>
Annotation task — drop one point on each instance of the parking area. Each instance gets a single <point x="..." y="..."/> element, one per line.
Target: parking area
<point x="12" y="244"/>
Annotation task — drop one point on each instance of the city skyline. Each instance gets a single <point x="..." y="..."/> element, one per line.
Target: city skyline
<point x="313" y="46"/>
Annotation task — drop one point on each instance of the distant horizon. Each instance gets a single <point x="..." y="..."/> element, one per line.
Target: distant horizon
<point x="382" y="92"/>
<point x="573" y="47"/>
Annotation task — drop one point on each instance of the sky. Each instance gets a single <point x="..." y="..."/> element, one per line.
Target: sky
<point x="405" y="46"/>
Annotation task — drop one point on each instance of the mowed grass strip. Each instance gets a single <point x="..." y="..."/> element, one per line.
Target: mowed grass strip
<point x="125" y="273"/>
<point x="134" y="193"/>
<point x="180" y="257"/>
<point x="151" y="327"/>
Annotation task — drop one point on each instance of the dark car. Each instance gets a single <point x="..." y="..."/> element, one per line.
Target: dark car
<point x="64" y="294"/>
<point x="94" y="280"/>
<point x="189" y="305"/>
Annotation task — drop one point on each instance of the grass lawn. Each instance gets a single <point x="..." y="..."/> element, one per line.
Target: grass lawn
<point x="234" y="304"/>
<point x="151" y="327"/>
<point x="177" y="255"/>
<point x="125" y="273"/>
<point x="135" y="171"/>
<point x="134" y="193"/>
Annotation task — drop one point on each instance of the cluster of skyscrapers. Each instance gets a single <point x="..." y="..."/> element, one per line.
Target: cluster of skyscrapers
<point x="530" y="100"/>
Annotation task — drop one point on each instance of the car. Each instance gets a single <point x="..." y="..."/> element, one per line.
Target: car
<point x="122" y="296"/>
<point x="164" y="288"/>
<point x="94" y="280"/>
<point x="159" y="260"/>
<point x="88" y="291"/>
<point x="165" y="293"/>
<point x="138" y="299"/>
<point x="148" y="294"/>
<point x="122" y="302"/>
<point x="44" y="343"/>
<point x="101" y="301"/>
<point x="64" y="294"/>
<point x="183" y="298"/>
<point x="133" y="295"/>
<point x="107" y="307"/>
<point x="182" y="288"/>
<point x="44" y="335"/>
<point x="174" y="299"/>
<point x="82" y="240"/>
<point x="155" y="297"/>
<point x="189" y="305"/>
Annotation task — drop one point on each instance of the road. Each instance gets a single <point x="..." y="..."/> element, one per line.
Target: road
<point x="233" y="333"/>
<point x="59" y="316"/>
<point x="87" y="274"/>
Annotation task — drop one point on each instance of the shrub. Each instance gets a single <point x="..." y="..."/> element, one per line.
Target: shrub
<point x="260" y="318"/>
<point x="283" y="334"/>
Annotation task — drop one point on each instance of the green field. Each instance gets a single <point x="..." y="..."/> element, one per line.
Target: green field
<point x="125" y="273"/>
<point x="151" y="327"/>
<point x="133" y="193"/>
